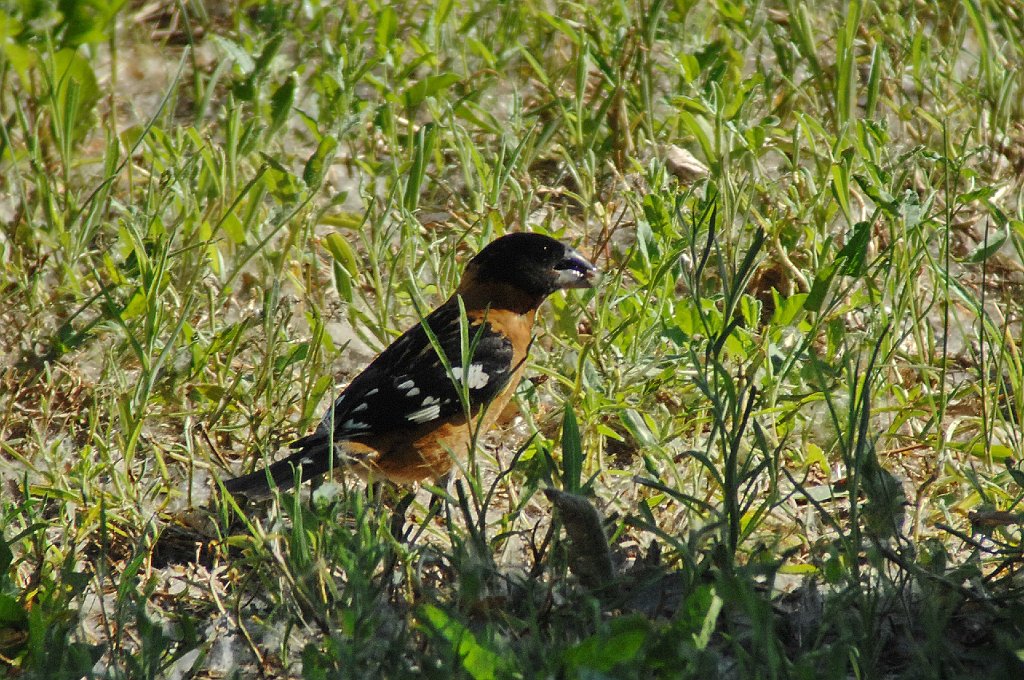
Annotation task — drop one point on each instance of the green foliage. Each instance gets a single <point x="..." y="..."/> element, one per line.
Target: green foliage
<point x="478" y="661"/>
<point x="803" y="361"/>
<point x="37" y="623"/>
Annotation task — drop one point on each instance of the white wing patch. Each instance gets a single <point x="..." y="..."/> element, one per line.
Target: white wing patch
<point x="425" y="414"/>
<point x="413" y="391"/>
<point x="351" y="424"/>
<point x="476" y="377"/>
<point x="408" y="384"/>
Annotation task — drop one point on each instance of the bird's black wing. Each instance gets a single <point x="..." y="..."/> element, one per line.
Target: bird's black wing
<point x="408" y="386"/>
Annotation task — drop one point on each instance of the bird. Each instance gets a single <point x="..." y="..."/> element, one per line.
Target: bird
<point x="417" y="405"/>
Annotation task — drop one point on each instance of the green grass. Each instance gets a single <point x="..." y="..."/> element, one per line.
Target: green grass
<point x="796" y="400"/>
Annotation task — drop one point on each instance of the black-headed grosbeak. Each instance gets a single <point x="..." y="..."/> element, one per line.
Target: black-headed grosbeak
<point x="404" y="417"/>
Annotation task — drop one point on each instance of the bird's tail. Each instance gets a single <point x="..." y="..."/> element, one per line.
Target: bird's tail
<point x="311" y="458"/>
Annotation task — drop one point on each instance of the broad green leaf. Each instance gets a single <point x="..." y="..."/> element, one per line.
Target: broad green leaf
<point x="342" y="252"/>
<point x="841" y="189"/>
<point x="75" y="93"/>
<point x="316" y="167"/>
<point x="572" y="452"/>
<point x="387" y="27"/>
<point x="851" y="257"/>
<point x="702" y="609"/>
<point x="136" y="306"/>
<point x="422" y="150"/>
<point x="233" y="227"/>
<point x="786" y="308"/>
<point x="428" y="87"/>
<point x="235" y="52"/>
<point x="602" y="652"/>
<point x="281" y="104"/>
<point x="911" y="209"/>
<point x="819" y="289"/>
<point x="12" y="615"/>
<point x="480" y="662"/>
<point x="983" y="250"/>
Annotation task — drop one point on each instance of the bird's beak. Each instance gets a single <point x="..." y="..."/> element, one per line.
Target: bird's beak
<point x="575" y="271"/>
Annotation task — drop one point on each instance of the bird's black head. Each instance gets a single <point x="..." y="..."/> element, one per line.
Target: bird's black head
<point x="535" y="264"/>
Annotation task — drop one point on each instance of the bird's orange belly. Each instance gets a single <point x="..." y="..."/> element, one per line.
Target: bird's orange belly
<point x="430" y="452"/>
